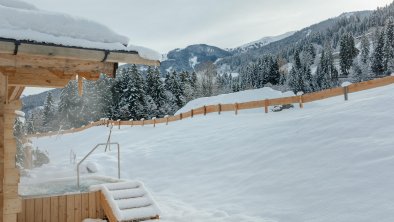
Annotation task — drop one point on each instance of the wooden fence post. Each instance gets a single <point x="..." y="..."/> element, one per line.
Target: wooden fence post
<point x="192" y="113"/>
<point x="266" y="105"/>
<point x="119" y="123"/>
<point x="236" y="108"/>
<point x="205" y="110"/>
<point x="346" y="92"/>
<point x="154" y="121"/>
<point x="301" y="102"/>
<point x="181" y="116"/>
<point x="166" y="119"/>
<point x="219" y="108"/>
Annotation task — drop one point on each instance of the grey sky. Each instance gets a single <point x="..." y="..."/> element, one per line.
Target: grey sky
<point x="164" y="25"/>
<point x="167" y="24"/>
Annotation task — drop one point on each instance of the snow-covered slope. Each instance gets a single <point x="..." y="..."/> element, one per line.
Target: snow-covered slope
<point x="237" y="97"/>
<point x="23" y="21"/>
<point x="331" y="161"/>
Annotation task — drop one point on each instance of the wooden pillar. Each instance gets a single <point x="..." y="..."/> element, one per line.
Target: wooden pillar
<point x="10" y="202"/>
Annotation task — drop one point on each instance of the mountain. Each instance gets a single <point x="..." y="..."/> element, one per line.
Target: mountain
<point x="33" y="101"/>
<point x="332" y="27"/>
<point x="190" y="57"/>
<point x="261" y="42"/>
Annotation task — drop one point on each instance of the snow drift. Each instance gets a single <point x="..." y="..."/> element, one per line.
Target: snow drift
<point x="331" y="161"/>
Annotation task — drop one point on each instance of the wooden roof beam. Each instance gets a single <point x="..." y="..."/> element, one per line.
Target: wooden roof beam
<point x="64" y="65"/>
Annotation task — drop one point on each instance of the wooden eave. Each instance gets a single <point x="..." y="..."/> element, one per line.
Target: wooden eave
<point x="31" y="64"/>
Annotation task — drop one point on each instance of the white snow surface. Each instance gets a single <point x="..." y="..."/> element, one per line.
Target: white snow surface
<point x="331" y="161"/>
<point x="23" y="21"/>
<point x="237" y="97"/>
<point x="265" y="41"/>
<point x="344" y="84"/>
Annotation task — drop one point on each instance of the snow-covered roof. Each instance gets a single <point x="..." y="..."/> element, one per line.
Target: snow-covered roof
<point x="24" y="22"/>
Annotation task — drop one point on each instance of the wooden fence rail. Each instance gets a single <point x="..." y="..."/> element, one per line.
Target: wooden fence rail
<point x="236" y="107"/>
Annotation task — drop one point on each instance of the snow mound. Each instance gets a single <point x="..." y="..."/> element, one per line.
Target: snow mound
<point x="23" y="21"/>
<point x="237" y="97"/>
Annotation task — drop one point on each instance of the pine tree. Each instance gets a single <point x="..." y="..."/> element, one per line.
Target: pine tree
<point x="365" y="46"/>
<point x="155" y="89"/>
<point x="326" y="74"/>
<point x="378" y="54"/>
<point x="389" y="45"/>
<point x="70" y="106"/>
<point x="49" y="109"/>
<point x="347" y="53"/>
<point x="173" y="85"/>
<point x="129" y="91"/>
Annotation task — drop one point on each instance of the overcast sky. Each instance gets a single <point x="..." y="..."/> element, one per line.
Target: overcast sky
<point x="164" y="25"/>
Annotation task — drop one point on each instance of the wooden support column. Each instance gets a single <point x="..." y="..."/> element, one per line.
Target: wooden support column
<point x="3" y="89"/>
<point x="10" y="202"/>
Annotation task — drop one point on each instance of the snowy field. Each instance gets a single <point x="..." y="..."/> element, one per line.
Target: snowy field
<point x="332" y="161"/>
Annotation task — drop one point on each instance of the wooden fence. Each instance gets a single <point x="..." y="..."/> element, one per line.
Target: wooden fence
<point x="236" y="107"/>
<point x="65" y="208"/>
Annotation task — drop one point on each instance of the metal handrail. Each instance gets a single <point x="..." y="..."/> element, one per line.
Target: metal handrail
<point x="100" y="144"/>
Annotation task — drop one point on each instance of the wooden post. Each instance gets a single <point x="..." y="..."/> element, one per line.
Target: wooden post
<point x="301" y="102"/>
<point x="154" y="121"/>
<point x="119" y="123"/>
<point x="236" y="108"/>
<point x="219" y="108"/>
<point x="192" y="113"/>
<point x="205" y="110"/>
<point x="346" y="92"/>
<point x="180" y="116"/>
<point x="11" y="203"/>
<point x="166" y="119"/>
<point x="266" y="105"/>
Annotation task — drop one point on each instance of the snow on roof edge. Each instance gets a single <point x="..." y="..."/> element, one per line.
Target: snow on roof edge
<point x="23" y="22"/>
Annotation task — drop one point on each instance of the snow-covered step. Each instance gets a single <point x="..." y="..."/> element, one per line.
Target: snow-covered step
<point x="127" y="193"/>
<point x="133" y="202"/>
<point x="127" y="201"/>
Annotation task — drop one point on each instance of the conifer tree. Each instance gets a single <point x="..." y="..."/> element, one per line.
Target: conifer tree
<point x="348" y="52"/>
<point x="389" y="45"/>
<point x="365" y="46"/>
<point x="155" y="89"/>
<point x="49" y="109"/>
<point x="70" y="105"/>
<point x="378" y="54"/>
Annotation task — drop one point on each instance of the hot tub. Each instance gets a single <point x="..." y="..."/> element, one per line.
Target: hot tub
<point x="62" y="186"/>
<point x="60" y="200"/>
